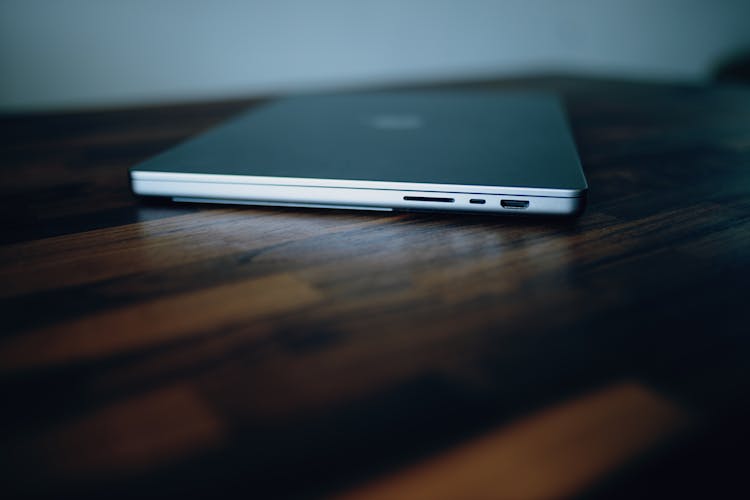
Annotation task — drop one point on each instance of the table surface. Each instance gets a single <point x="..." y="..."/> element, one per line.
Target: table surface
<point x="183" y="349"/>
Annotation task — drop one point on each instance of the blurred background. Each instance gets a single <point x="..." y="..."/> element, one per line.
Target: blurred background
<point x="94" y="53"/>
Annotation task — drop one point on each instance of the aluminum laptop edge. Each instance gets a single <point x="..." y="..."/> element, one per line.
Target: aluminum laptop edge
<point x="486" y="152"/>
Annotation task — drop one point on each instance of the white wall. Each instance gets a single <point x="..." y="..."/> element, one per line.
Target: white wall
<point x="84" y="53"/>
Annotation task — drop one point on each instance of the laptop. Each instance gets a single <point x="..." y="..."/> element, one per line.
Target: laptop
<point x="487" y="152"/>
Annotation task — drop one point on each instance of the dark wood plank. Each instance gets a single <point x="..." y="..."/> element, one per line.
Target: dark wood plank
<point x="555" y="453"/>
<point x="279" y="352"/>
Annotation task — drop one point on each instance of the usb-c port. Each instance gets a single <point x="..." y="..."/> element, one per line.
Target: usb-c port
<point x="517" y="204"/>
<point x="477" y="201"/>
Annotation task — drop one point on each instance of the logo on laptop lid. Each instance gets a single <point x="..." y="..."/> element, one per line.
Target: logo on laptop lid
<point x="395" y="121"/>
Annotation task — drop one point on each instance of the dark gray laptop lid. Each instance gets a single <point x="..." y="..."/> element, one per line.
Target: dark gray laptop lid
<point x="515" y="139"/>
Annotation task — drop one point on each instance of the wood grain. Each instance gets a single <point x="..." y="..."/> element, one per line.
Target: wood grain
<point x="132" y="434"/>
<point x="156" y="322"/>
<point x="257" y="352"/>
<point x="555" y="453"/>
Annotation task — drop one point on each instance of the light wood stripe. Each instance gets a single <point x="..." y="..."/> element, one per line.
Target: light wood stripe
<point x="152" y="323"/>
<point x="553" y="454"/>
<point x="108" y="253"/>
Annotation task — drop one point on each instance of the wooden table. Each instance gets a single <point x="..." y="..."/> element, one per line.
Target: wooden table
<point x="181" y="349"/>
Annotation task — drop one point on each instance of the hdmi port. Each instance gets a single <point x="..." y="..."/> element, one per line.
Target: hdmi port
<point x="518" y="204"/>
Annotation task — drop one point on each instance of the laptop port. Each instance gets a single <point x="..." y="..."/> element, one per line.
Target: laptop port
<point x="428" y="198"/>
<point x="515" y="204"/>
<point x="477" y="201"/>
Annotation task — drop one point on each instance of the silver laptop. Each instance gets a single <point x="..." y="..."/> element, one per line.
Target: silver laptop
<point x="484" y="152"/>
